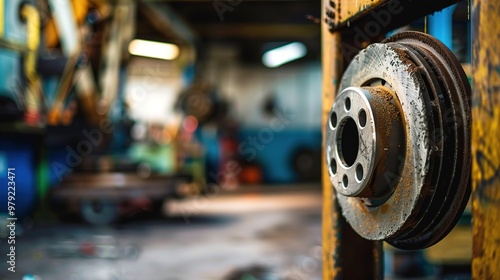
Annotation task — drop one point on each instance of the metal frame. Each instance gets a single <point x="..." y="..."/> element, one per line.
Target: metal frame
<point x="348" y="26"/>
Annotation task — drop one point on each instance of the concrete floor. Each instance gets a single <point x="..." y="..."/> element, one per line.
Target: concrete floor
<point x="276" y="232"/>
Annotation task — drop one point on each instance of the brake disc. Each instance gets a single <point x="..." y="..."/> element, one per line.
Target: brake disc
<point x="398" y="141"/>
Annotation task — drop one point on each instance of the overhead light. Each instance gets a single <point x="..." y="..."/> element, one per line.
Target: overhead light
<point x="152" y="49"/>
<point x="284" y="54"/>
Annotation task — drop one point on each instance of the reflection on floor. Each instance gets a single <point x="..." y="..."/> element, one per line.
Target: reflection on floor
<point x="270" y="235"/>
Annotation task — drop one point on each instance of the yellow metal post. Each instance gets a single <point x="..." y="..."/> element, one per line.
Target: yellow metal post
<point x="331" y="231"/>
<point x="345" y="254"/>
<point x="34" y="92"/>
<point x="485" y="139"/>
<point x="2" y="17"/>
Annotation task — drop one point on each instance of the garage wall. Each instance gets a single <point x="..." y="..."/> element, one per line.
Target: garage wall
<point x="153" y="85"/>
<point x="296" y="87"/>
<point x="151" y="89"/>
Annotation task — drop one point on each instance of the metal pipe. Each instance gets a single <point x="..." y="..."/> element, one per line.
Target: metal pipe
<point x="34" y="93"/>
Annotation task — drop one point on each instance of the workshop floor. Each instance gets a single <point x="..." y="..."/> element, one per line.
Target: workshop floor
<point x="276" y="233"/>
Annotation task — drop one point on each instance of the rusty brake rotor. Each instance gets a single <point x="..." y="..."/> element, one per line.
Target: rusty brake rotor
<point x="398" y="141"/>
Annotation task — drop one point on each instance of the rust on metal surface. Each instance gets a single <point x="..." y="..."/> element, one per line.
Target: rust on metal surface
<point x="424" y="206"/>
<point x="381" y="62"/>
<point x="485" y="137"/>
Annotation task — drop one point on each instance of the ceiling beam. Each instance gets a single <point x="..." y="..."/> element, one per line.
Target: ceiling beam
<point x="164" y="20"/>
<point x="258" y="31"/>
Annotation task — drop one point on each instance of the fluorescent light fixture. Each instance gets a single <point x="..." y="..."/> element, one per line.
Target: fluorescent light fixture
<point x="152" y="49"/>
<point x="284" y="54"/>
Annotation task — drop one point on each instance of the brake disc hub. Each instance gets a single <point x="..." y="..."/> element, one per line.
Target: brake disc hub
<point x="368" y="132"/>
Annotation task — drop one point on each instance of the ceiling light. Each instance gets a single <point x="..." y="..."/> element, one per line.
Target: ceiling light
<point x="284" y="54"/>
<point x="152" y="49"/>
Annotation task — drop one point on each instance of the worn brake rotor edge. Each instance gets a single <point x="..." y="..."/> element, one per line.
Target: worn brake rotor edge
<point x="455" y="87"/>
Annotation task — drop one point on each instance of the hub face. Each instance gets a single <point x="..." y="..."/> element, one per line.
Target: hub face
<point x="351" y="142"/>
<point x="364" y="142"/>
<point x="397" y="142"/>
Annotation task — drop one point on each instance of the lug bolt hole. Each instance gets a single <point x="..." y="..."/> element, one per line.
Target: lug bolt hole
<point x="362" y="118"/>
<point x="333" y="166"/>
<point x="359" y="172"/>
<point x="347" y="104"/>
<point x="333" y="119"/>
<point x="345" y="181"/>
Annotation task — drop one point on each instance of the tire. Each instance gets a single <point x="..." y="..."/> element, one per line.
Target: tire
<point x="98" y="211"/>
<point x="306" y="163"/>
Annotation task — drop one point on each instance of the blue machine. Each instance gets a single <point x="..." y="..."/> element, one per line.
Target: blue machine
<point x="18" y="153"/>
<point x="17" y="149"/>
<point x="276" y="157"/>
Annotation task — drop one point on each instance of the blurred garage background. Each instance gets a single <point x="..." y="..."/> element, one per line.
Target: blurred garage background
<point x="167" y="139"/>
